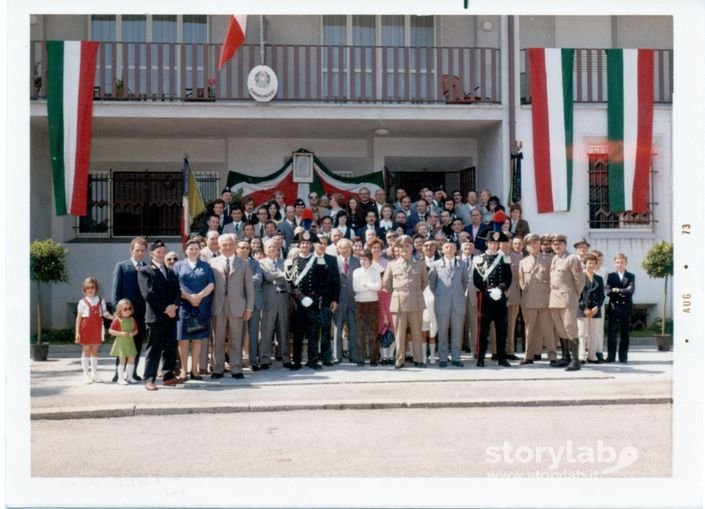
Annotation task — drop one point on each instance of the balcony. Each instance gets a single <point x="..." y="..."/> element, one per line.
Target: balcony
<point x="590" y="76"/>
<point x="338" y="74"/>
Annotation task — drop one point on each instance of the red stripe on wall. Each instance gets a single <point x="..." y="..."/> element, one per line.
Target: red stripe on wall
<point x="542" y="143"/>
<point x="645" y="85"/>
<point x="89" y="53"/>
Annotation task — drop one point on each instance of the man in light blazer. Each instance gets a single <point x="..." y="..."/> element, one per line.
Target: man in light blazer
<point x="275" y="310"/>
<point x="126" y="286"/>
<point x="448" y="280"/>
<point x="345" y="311"/>
<point x="233" y="302"/>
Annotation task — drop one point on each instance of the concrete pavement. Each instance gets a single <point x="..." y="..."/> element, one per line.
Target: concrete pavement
<point x="58" y="391"/>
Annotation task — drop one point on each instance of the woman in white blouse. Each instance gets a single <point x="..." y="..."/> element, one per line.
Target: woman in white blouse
<point x="366" y="283"/>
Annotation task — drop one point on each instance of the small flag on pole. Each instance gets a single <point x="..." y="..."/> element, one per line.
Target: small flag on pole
<point x="193" y="203"/>
<point x="70" y="79"/>
<point x="234" y="38"/>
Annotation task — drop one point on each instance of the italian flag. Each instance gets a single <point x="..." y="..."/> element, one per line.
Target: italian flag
<point x="552" y="118"/>
<point x="70" y="79"/>
<point x="234" y="37"/>
<point x="630" y="111"/>
<point x="325" y="181"/>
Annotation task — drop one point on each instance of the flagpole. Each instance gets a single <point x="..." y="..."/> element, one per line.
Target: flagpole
<point x="261" y="39"/>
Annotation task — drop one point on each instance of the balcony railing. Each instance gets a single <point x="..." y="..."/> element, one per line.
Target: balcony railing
<point x="358" y="74"/>
<point x="590" y="76"/>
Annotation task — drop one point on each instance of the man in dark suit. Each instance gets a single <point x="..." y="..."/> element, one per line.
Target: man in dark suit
<point x="619" y="289"/>
<point x="478" y="230"/>
<point x="125" y="286"/>
<point x="370" y="224"/>
<point x="160" y="289"/>
<point x="417" y="216"/>
<point x="346" y="303"/>
<point x="329" y="299"/>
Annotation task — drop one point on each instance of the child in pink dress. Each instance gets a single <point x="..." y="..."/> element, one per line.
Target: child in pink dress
<point x="89" y="328"/>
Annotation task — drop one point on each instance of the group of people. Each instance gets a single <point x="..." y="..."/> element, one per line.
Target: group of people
<point x="358" y="279"/>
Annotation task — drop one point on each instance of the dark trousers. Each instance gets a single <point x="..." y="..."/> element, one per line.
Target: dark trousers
<point x="366" y="316"/>
<point x="492" y="311"/>
<point x="161" y="341"/>
<point x="308" y="324"/>
<point x="622" y="323"/>
<point x="326" y="324"/>
<point x="253" y="328"/>
<point x="139" y="341"/>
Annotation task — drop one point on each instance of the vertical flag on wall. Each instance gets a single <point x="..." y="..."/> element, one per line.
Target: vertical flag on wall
<point x="235" y="36"/>
<point x="630" y="110"/>
<point x="552" y="119"/>
<point x="70" y="79"/>
<point x="192" y="204"/>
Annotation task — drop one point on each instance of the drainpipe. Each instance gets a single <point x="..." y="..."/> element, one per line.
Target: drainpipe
<point x="261" y="39"/>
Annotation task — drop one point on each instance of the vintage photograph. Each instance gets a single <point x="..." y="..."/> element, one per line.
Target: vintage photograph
<point x="475" y="283"/>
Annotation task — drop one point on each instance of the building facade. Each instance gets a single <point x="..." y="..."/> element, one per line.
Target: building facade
<point x="364" y="93"/>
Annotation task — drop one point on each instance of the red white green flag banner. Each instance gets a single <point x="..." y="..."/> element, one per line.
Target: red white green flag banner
<point x="325" y="181"/>
<point x="630" y="111"/>
<point x="552" y="119"/>
<point x="70" y="80"/>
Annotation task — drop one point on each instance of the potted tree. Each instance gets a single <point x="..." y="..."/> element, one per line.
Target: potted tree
<point x="119" y="88"/>
<point x="658" y="264"/>
<point x="47" y="264"/>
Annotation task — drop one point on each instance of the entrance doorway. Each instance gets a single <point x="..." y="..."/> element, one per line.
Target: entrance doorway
<point x="412" y="181"/>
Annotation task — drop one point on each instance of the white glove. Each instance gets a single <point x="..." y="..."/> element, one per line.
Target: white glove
<point x="495" y="294"/>
<point x="306" y="301"/>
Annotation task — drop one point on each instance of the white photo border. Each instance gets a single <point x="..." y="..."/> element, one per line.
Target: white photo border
<point x="683" y="490"/>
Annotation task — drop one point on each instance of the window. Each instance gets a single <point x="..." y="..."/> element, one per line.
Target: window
<point x="129" y="203"/>
<point x="131" y="31"/>
<point x="384" y="56"/>
<point x="601" y="216"/>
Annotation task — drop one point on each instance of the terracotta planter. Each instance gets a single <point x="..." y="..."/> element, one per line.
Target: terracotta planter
<point x="40" y="352"/>
<point x="663" y="342"/>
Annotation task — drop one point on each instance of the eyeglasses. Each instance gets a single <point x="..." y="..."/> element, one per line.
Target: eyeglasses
<point x="127" y="309"/>
<point x="311" y="197"/>
<point x="172" y="259"/>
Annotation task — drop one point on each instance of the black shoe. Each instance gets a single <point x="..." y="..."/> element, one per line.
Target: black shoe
<point x="238" y="376"/>
<point x="360" y="364"/>
<point x="373" y="364"/>
<point x="264" y="366"/>
<point x="216" y="375"/>
<point x="419" y="365"/>
<point x="559" y="363"/>
<point x="458" y="364"/>
<point x="287" y="365"/>
<point x="537" y="357"/>
<point x="313" y="365"/>
<point x="442" y="364"/>
<point x="295" y="366"/>
<point x="409" y="358"/>
<point x="512" y="357"/>
<point x="593" y="362"/>
<point x="115" y="378"/>
<point x="494" y="357"/>
<point x="480" y="363"/>
<point x="137" y="377"/>
<point x="256" y="368"/>
<point x="504" y="363"/>
<point x="527" y="361"/>
<point x="327" y="363"/>
<point x="398" y="366"/>
<point x="195" y="377"/>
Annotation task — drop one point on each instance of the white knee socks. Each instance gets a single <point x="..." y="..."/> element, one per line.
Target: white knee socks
<point x="432" y="353"/>
<point x="130" y="374"/>
<point x="84" y="366"/>
<point x="94" y="369"/>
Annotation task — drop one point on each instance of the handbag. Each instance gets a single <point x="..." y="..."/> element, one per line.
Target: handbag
<point x="386" y="339"/>
<point x="194" y="324"/>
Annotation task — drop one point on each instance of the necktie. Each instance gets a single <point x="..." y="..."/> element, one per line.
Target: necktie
<point x="345" y="266"/>
<point x="237" y="227"/>
<point x="163" y="269"/>
<point x="227" y="274"/>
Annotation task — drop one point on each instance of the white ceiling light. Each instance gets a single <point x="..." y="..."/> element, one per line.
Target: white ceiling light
<point x="381" y="131"/>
